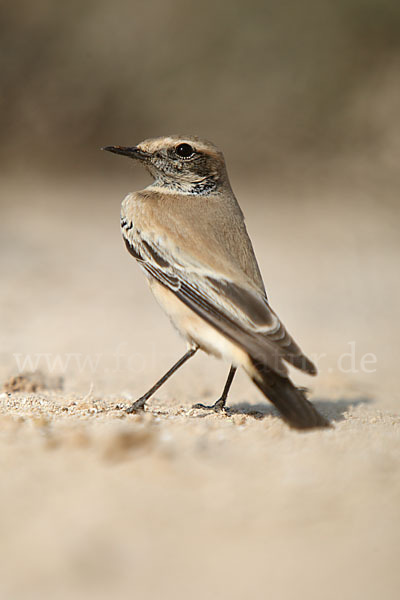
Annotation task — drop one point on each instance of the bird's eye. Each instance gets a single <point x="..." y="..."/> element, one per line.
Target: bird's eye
<point x="184" y="150"/>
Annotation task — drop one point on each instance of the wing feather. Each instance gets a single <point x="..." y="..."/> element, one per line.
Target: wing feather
<point x="240" y="313"/>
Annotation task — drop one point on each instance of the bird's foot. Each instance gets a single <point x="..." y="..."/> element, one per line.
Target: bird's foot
<point x="218" y="406"/>
<point x="137" y="406"/>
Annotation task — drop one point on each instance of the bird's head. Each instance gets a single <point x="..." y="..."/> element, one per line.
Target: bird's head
<point x="182" y="163"/>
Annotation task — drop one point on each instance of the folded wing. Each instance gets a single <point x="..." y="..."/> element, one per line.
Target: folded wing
<point x="237" y="311"/>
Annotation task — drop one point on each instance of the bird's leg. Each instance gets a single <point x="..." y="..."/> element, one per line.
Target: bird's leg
<point x="219" y="405"/>
<point x="139" y="404"/>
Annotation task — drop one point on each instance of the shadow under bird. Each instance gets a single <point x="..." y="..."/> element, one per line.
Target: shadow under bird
<point x="187" y="232"/>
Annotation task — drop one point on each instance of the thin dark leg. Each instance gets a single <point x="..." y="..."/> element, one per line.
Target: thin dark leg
<point x="139" y="404"/>
<point x="220" y="403"/>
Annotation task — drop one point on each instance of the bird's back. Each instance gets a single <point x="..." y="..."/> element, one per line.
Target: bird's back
<point x="209" y="230"/>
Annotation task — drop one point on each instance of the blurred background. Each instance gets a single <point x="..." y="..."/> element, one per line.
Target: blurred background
<point x="272" y="83"/>
<point x="303" y="98"/>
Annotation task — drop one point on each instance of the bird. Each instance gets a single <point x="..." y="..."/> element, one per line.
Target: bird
<point x="187" y="232"/>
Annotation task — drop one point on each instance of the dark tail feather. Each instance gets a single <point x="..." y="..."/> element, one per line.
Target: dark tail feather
<point x="291" y="402"/>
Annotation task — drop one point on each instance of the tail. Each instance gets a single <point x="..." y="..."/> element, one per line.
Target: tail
<point x="291" y="402"/>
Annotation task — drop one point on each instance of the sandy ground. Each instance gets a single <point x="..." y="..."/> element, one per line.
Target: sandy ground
<point x="175" y="503"/>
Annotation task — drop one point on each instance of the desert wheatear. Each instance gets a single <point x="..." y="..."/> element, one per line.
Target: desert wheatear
<point x="187" y="232"/>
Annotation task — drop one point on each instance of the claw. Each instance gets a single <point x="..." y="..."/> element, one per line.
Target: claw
<point x="218" y="406"/>
<point x="137" y="406"/>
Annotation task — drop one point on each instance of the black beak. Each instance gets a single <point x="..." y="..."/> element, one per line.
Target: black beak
<point x="131" y="151"/>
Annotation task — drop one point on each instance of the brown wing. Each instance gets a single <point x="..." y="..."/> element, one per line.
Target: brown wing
<point x="240" y="313"/>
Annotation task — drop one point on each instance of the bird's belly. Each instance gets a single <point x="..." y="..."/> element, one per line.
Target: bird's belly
<point x="195" y="330"/>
